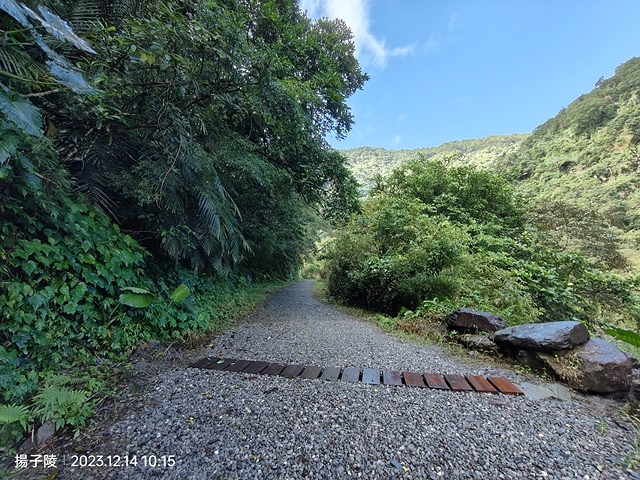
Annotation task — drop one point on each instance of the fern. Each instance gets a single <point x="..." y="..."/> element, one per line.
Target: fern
<point x="62" y="405"/>
<point x="15" y="413"/>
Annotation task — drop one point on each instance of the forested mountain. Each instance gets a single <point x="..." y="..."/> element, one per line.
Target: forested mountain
<point x="366" y="162"/>
<point x="589" y="154"/>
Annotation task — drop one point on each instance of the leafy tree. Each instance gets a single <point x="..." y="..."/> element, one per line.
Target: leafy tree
<point x="394" y="255"/>
<point x="462" y="194"/>
<point x="195" y="98"/>
<point x="569" y="226"/>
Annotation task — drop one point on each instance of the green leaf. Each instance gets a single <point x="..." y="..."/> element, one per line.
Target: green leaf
<point x="180" y="293"/>
<point x="136" y="290"/>
<point x="138" y="298"/>
<point x="627" y="336"/>
<point x="21" y="112"/>
<point x="12" y="413"/>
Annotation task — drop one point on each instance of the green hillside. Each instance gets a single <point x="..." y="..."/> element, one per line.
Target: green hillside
<point x="366" y="162"/>
<point x="588" y="154"/>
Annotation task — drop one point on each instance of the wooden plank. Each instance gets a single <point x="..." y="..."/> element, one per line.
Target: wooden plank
<point x="292" y="371"/>
<point x="351" y="374"/>
<point x="371" y="376"/>
<point x="203" y="362"/>
<point x="458" y="383"/>
<point x="505" y="386"/>
<point x="436" y="381"/>
<point x="238" y="366"/>
<point x="481" y="384"/>
<point x="392" y="377"/>
<point x="311" y="373"/>
<point x="330" y="373"/>
<point x="220" y="364"/>
<point x="413" y="379"/>
<point x="273" y="369"/>
<point x="256" y="367"/>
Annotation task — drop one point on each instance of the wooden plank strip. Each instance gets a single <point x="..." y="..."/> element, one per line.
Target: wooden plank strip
<point x="292" y="371"/>
<point x="220" y="364"/>
<point x="481" y="384"/>
<point x="203" y="362"/>
<point x="238" y="366"/>
<point x="413" y="379"/>
<point x="392" y="377"/>
<point x="273" y="369"/>
<point x="351" y="374"/>
<point x="458" y="383"/>
<point x="505" y="386"/>
<point x="331" y="374"/>
<point x="255" y="367"/>
<point x="436" y="381"/>
<point x="371" y="376"/>
<point x="311" y="373"/>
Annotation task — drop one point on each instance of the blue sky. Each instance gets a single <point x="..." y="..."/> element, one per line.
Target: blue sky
<point x="461" y="69"/>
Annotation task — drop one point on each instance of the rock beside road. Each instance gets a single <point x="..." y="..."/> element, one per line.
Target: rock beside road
<point x="551" y="336"/>
<point x="595" y="366"/>
<point x="474" y="320"/>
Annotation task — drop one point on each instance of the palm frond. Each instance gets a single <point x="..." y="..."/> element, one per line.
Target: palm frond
<point x="94" y="188"/>
<point x="17" y="62"/>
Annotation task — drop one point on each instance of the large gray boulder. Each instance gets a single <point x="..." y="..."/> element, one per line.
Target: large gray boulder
<point x="550" y="336"/>
<point x="468" y="319"/>
<point x="595" y="366"/>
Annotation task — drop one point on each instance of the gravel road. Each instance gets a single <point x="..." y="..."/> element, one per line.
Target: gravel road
<point x="186" y="423"/>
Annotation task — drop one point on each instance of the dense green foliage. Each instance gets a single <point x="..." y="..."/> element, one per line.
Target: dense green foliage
<point x="202" y="116"/>
<point x="433" y="238"/>
<point x="176" y="144"/>
<point x="588" y="155"/>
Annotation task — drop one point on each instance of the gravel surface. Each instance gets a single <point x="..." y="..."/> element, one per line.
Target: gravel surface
<point x="217" y="425"/>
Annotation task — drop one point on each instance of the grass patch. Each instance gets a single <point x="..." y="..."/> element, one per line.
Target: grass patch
<point x="225" y="306"/>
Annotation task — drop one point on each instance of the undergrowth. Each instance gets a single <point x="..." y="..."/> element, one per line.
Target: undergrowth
<point x="66" y="394"/>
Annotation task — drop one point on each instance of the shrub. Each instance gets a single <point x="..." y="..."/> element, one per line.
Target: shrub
<point x="394" y="255"/>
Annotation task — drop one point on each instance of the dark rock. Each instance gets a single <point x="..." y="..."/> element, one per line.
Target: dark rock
<point x="550" y="336"/>
<point x="468" y="319"/>
<point x="480" y="343"/>
<point x="45" y="432"/>
<point x="531" y="359"/>
<point x="595" y="366"/>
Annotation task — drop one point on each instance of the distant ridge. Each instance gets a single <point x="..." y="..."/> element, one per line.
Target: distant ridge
<point x="489" y="152"/>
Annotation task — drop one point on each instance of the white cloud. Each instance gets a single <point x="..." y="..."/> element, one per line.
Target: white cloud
<point x="396" y="140"/>
<point x="432" y="43"/>
<point x="402" y="117"/>
<point x="355" y="13"/>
